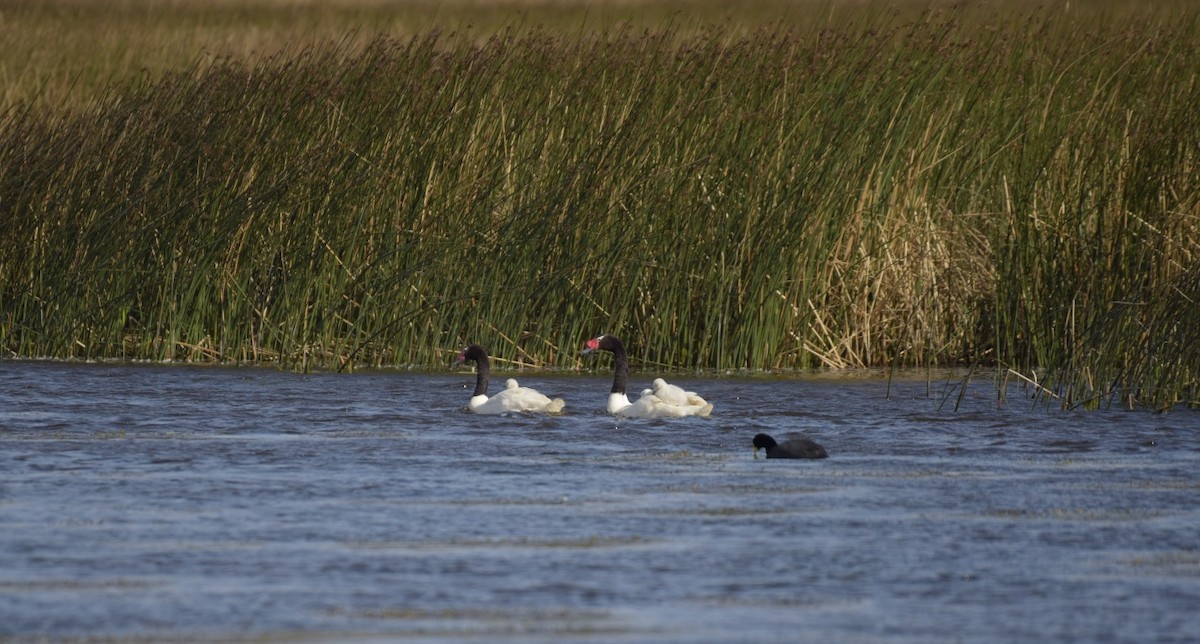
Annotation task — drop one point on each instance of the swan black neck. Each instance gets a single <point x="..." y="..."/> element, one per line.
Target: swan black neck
<point x="481" y="377"/>
<point x="620" y="362"/>
<point x="482" y="367"/>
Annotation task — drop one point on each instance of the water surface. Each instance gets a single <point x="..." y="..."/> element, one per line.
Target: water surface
<point x="148" y="503"/>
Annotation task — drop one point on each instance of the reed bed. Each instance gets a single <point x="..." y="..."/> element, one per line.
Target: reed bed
<point x="1017" y="193"/>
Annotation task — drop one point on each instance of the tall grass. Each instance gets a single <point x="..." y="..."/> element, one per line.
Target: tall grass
<point x="63" y="51"/>
<point x="1017" y="192"/>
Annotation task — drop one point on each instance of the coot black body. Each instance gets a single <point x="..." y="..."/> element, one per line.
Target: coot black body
<point x="796" y="447"/>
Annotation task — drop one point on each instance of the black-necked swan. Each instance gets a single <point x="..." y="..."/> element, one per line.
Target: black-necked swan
<point x="513" y="398"/>
<point x="795" y="447"/>
<point x="662" y="401"/>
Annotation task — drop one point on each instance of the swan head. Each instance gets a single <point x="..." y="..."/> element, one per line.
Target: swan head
<point x="658" y="383"/>
<point x="592" y="346"/>
<point x="472" y="352"/>
<point x="602" y="343"/>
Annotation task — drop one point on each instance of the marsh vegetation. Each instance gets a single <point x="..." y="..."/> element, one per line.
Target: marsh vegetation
<point x="1009" y="187"/>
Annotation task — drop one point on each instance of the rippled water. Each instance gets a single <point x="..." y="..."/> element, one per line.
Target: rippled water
<point x="188" y="503"/>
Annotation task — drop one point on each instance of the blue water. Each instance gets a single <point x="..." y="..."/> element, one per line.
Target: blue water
<point x="149" y="502"/>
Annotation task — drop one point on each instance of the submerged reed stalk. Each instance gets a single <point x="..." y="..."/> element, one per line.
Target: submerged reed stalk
<point x="941" y="191"/>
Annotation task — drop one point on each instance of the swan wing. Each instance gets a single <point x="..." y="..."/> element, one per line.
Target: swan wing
<point x="653" y="406"/>
<point x="647" y="406"/>
<point x="688" y="402"/>
<point x="516" y="398"/>
<point x="675" y="395"/>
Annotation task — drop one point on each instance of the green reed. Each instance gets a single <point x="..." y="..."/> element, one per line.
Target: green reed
<point x="1018" y="192"/>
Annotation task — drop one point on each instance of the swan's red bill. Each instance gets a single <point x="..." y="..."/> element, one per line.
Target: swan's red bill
<point x="592" y="345"/>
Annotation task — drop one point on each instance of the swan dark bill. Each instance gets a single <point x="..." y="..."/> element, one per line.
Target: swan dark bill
<point x="795" y="447"/>
<point x="513" y="398"/>
<point x="661" y="401"/>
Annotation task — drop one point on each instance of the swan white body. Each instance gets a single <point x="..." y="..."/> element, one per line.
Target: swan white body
<point x="662" y="401"/>
<point x="652" y="406"/>
<point x="514" y="398"/>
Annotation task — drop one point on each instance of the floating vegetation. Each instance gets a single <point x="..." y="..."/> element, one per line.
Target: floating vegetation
<point x="493" y="622"/>
<point x="1076" y="514"/>
<point x="738" y="489"/>
<point x="74" y="585"/>
<point x="594" y="541"/>
<point x="1179" y="562"/>
<point x="729" y="511"/>
<point x="1013" y="188"/>
<point x="543" y="614"/>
